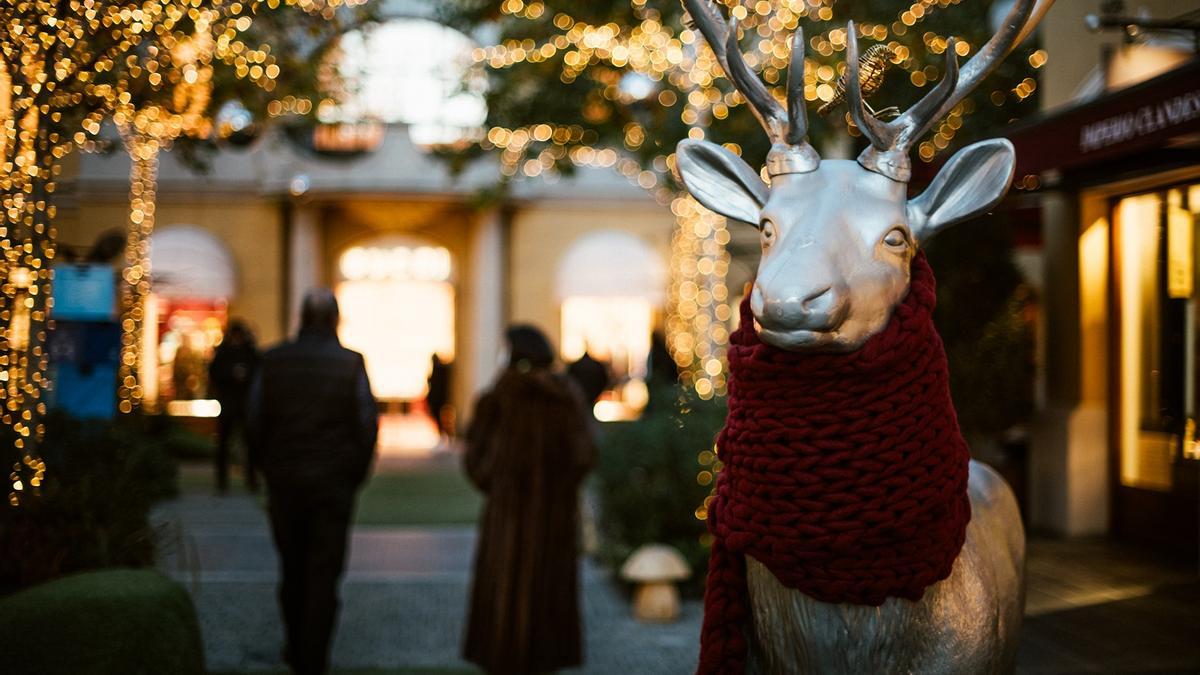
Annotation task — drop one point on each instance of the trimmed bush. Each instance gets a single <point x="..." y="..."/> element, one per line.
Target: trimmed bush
<point x="118" y="622"/>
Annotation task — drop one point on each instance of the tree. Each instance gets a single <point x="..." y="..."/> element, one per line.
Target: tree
<point x="65" y="67"/>
<point x="258" y="60"/>
<point x="620" y="82"/>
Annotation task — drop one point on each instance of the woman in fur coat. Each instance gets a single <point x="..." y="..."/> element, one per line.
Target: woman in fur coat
<point x="528" y="449"/>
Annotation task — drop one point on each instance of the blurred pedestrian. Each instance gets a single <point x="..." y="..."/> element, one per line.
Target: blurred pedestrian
<point x="591" y="375"/>
<point x="438" y="394"/>
<point x="229" y="375"/>
<point x="528" y="450"/>
<point x="662" y="375"/>
<point x="314" y="420"/>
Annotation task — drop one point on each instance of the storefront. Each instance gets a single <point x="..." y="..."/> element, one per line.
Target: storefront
<point x="1116" y="447"/>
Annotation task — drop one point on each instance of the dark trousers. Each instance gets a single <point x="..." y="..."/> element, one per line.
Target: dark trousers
<point x="230" y="427"/>
<point x="310" y="529"/>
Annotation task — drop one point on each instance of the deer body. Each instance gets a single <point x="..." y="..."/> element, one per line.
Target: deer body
<point x="837" y="239"/>
<point x="967" y="623"/>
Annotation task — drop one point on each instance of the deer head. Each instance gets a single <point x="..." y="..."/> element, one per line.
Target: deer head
<point x="838" y="235"/>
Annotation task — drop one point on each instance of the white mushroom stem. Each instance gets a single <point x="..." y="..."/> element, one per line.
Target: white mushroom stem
<point x="656" y="601"/>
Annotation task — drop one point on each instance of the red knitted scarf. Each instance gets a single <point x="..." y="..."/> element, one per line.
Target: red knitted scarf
<point x="844" y="474"/>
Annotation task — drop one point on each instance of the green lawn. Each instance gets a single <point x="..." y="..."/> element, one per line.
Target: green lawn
<point x="425" y="496"/>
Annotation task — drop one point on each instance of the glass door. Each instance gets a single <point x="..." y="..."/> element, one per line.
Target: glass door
<point x="1157" y="322"/>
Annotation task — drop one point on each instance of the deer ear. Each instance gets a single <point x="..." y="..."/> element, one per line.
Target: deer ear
<point x="973" y="181"/>
<point x="720" y="180"/>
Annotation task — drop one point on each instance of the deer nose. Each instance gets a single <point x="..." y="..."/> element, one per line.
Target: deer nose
<point x="821" y="309"/>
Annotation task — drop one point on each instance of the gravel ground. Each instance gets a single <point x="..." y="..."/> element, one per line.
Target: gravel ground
<point x="403" y="598"/>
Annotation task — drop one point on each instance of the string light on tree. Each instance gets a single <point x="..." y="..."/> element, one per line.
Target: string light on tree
<point x="633" y="129"/>
<point x="698" y="326"/>
<point x="65" y="67"/>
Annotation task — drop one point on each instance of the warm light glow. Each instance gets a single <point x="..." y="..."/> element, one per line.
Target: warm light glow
<point x="397" y="325"/>
<point x="69" y="66"/>
<point x="1093" y="306"/>
<point x="398" y="263"/>
<point x="698" y="325"/>
<point x="612" y="329"/>
<point x="200" y="407"/>
<point x="1145" y="455"/>
<point x="1180" y="247"/>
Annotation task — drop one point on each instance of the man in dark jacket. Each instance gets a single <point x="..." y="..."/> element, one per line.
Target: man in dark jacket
<point x="314" y="422"/>
<point x="229" y="376"/>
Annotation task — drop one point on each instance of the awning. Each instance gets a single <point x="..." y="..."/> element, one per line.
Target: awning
<point x="1160" y="113"/>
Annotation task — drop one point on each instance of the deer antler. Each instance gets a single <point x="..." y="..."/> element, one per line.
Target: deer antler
<point x="788" y="129"/>
<point x="891" y="141"/>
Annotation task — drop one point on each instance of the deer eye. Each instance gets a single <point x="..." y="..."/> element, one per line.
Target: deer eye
<point x="768" y="233"/>
<point x="897" y="238"/>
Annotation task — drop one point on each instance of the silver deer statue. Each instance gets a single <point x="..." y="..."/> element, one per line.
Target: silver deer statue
<point x="837" y="239"/>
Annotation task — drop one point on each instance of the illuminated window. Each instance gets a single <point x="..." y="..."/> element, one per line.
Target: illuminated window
<point x="397" y="308"/>
<point x="411" y="71"/>
<point x="1155" y="236"/>
<point x="611" y="285"/>
<point x="193" y="281"/>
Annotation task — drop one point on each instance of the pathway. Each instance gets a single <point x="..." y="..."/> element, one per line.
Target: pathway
<point x="1091" y="606"/>
<point x="403" y="598"/>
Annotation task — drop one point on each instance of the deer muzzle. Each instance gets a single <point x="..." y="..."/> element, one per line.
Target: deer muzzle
<point x="797" y="319"/>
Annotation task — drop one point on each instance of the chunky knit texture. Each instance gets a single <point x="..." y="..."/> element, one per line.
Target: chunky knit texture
<point x="844" y="474"/>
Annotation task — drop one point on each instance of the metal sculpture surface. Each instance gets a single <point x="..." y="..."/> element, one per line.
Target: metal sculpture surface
<point x="837" y="240"/>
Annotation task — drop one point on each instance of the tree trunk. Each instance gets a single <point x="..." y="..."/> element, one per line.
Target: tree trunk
<point x="135" y="291"/>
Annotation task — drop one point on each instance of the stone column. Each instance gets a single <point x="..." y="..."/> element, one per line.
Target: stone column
<point x="1069" y="489"/>
<point x="305" y="247"/>
<point x="485" y="283"/>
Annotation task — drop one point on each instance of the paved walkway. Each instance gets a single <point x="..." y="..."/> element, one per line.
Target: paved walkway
<point x="1091" y="606"/>
<point x="404" y="597"/>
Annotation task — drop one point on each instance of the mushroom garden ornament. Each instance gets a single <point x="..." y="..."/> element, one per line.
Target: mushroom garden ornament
<point x="851" y="531"/>
<point x="656" y="568"/>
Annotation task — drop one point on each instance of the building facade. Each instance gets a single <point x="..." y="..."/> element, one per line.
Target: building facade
<point x="1113" y="167"/>
<point x="418" y="266"/>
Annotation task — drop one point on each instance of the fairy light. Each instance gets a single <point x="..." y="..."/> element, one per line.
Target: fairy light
<point x="687" y="79"/>
<point x="65" y="67"/>
<point x="688" y="82"/>
<point x="171" y="89"/>
<point x="697" y="326"/>
<point x="143" y="181"/>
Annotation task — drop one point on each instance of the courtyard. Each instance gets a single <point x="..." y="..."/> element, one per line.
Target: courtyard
<point x="1091" y="606"/>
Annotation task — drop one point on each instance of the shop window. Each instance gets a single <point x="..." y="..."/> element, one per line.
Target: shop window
<point x="193" y="280"/>
<point x="1156" y="279"/>
<point x="609" y="311"/>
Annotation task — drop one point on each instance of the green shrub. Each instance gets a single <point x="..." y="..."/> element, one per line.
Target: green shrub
<point x="179" y="441"/>
<point x="646" y="479"/>
<point x="111" y="622"/>
<point x="93" y="509"/>
<point x="983" y="316"/>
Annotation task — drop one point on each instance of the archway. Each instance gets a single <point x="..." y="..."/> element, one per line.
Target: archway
<point x="611" y="285"/>
<point x="193" y="278"/>
<point x="396" y="294"/>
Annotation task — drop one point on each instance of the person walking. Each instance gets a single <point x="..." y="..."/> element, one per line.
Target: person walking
<point x="438" y="394"/>
<point x="314" y="421"/>
<point x="592" y="376"/>
<point x="528" y="450"/>
<point x="229" y="376"/>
